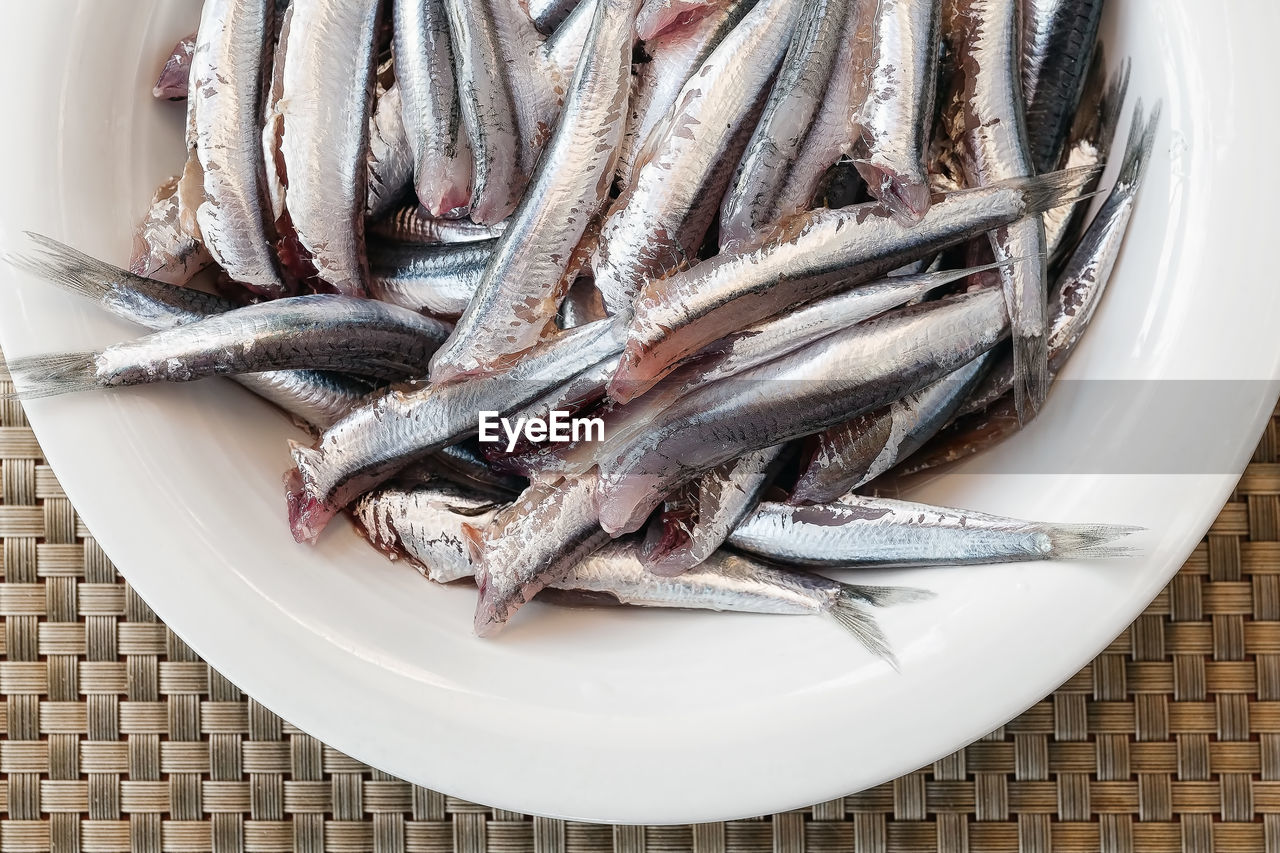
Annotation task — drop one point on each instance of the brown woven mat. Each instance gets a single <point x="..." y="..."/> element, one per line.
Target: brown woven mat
<point x="117" y="737"/>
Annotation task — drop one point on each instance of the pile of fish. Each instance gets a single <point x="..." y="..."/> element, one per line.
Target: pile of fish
<point x="779" y="251"/>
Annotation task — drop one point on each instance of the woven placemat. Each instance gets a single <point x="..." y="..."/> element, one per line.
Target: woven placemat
<point x="118" y="737"/>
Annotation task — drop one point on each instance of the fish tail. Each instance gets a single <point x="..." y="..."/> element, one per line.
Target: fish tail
<point x="51" y="375"/>
<point x="1089" y="541"/>
<point x="1053" y="189"/>
<point x="1030" y="374"/>
<point x="68" y="268"/>
<point x="1142" y="140"/>
<point x="1113" y="101"/>
<point x="852" y="609"/>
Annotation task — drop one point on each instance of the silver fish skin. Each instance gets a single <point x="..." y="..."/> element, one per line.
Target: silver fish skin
<point x="1079" y="288"/>
<point x="854" y="453"/>
<point x="983" y="117"/>
<point x="876" y="532"/>
<point x="423" y="524"/>
<point x="429" y="107"/>
<point x="427" y="526"/>
<point x="658" y="16"/>
<point x="664" y="216"/>
<point x="1058" y="41"/>
<point x="508" y="104"/>
<point x="794" y="102"/>
<point x="893" y="126"/>
<point x="538" y="540"/>
<point x="825" y="383"/>
<point x="390" y="156"/>
<point x="327" y="98"/>
<point x="547" y="15"/>
<point x="321" y="332"/>
<point x="519" y="294"/>
<point x="562" y="49"/>
<point x="1089" y="143"/>
<point x="464" y="465"/>
<point x="696" y="519"/>
<point x="389" y="432"/>
<point x="811" y="256"/>
<point x="227" y="73"/>
<point x="314" y="398"/>
<point x="412" y="224"/>
<point x="439" y="280"/>
<point x="1083" y="283"/>
<point x="162" y="249"/>
<point x="674" y="56"/>
<point x="175" y="78"/>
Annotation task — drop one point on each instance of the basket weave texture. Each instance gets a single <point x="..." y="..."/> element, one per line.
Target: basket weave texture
<point x="117" y="737"/>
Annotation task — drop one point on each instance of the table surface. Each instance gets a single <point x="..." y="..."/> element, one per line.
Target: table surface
<point x="116" y="736"/>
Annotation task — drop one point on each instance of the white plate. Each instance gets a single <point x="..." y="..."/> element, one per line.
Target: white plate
<point x="645" y="716"/>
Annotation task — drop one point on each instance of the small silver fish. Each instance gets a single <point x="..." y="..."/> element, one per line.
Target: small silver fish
<point x="389" y="432"/>
<point x="520" y="292"/>
<point x="441" y="150"/>
<point x="314" y="398"/>
<point x="327" y="98"/>
<point x="840" y="376"/>
<point x="227" y="74"/>
<point x="697" y="519"/>
<point x="390" y="156"/>
<point x="857" y="532"/>
<point x="317" y="332"/>
<point x="439" y="280"/>
<point x="664" y="216"/>
<point x="412" y="224"/>
<point x="794" y="103"/>
<point x="1058" y="39"/>
<point x="813" y="255"/>
<point x="892" y="127"/>
<point x="548" y="15"/>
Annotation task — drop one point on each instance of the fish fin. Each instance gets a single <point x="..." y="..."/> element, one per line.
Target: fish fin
<point x="52" y="375"/>
<point x="68" y="268"/>
<point x="1142" y="140"/>
<point x="854" y="615"/>
<point x="1113" y="102"/>
<point x="474" y="537"/>
<point x="1030" y="375"/>
<point x="1045" y="192"/>
<point x="1089" y="541"/>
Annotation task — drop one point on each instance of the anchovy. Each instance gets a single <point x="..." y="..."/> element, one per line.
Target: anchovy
<point x="547" y="15"/>
<point x="521" y="290"/>
<point x="466" y="465"/>
<point x="386" y="434"/>
<point x="1083" y="283"/>
<point x="427" y="526"/>
<point x="813" y="255"/>
<point x="562" y="49"/>
<point x="507" y="102"/>
<point x="830" y="381"/>
<point x="430" y="109"/>
<point x="893" y="126"/>
<point x="327" y="98"/>
<point x="697" y="518"/>
<point x="227" y="74"/>
<point x="665" y="214"/>
<point x="324" y="332"/>
<point x="1058" y="38"/>
<point x="316" y="398"/>
<point x="673" y="58"/>
<point x="175" y="78"/>
<point x="538" y="540"/>
<point x="789" y="115"/>
<point x="856" y="452"/>
<point x="857" y="532"/>
<point x="162" y="249"/>
<point x="412" y="224"/>
<point x="390" y="156"/>
<point x="439" y="280"/>
<point x="1088" y="144"/>
<point x="983" y="117"/>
